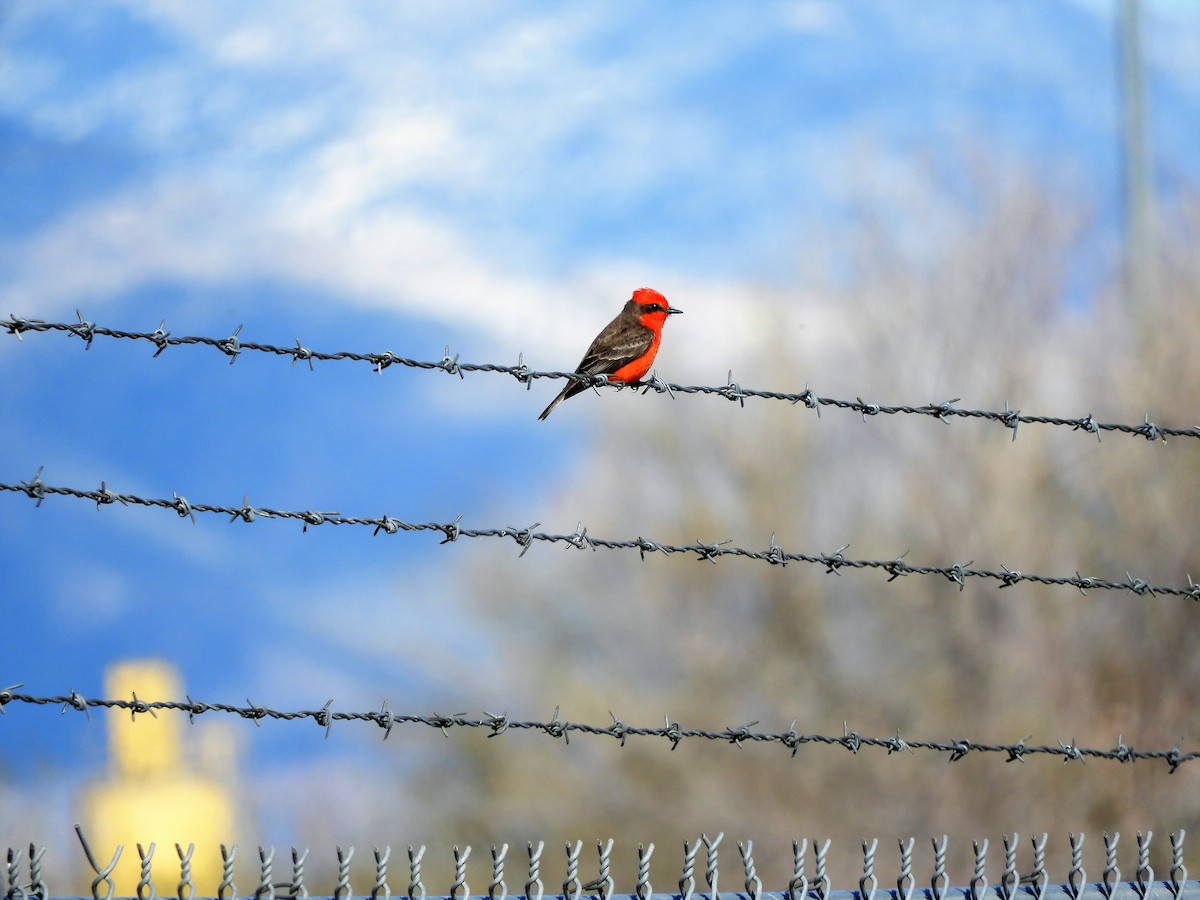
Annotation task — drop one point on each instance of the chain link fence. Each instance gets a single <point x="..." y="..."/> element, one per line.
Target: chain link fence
<point x="698" y="875"/>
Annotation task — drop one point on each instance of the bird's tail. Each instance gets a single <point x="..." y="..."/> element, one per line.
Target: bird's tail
<point x="557" y="400"/>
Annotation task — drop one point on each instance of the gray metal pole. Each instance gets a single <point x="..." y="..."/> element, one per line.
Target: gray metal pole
<point x="1141" y="254"/>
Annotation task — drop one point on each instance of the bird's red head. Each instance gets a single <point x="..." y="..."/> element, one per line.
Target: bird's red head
<point x="652" y="307"/>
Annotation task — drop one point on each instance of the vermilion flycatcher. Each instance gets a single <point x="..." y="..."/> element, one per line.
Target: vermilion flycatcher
<point x="626" y="347"/>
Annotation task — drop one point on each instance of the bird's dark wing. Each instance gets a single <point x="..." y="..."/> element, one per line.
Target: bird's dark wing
<point x="621" y="342"/>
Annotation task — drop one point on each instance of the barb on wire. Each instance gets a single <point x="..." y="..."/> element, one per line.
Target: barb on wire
<point x="833" y="563"/>
<point x="671" y="732"/>
<point x="941" y="411"/>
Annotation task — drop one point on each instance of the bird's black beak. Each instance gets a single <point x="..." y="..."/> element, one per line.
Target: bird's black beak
<point x="672" y="311"/>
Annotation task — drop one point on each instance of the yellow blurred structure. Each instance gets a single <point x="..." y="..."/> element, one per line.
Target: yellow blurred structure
<point x="158" y="789"/>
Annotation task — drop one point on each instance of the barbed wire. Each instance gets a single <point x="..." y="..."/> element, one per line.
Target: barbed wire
<point x="943" y="411"/>
<point x="834" y="563"/>
<point x="672" y="732"/>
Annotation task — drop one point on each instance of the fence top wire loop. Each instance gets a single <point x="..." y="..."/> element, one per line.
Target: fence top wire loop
<point x="905" y="881"/>
<point x="943" y="411"/>
<point x="497" y="724"/>
<point x="103" y="873"/>
<point x="524" y="538"/>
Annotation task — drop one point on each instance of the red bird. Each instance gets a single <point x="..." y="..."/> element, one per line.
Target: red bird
<point x="626" y="347"/>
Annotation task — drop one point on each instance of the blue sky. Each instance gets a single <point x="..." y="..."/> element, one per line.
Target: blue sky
<point x="492" y="177"/>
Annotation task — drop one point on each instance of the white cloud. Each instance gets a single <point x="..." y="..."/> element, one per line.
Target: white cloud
<point x="167" y="229"/>
<point x="357" y="172"/>
<point x="392" y="156"/>
<point x="813" y="15"/>
<point x="488" y="114"/>
<point x="471" y="119"/>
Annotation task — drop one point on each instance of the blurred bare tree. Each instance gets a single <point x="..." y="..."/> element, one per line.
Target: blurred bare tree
<point x="983" y="304"/>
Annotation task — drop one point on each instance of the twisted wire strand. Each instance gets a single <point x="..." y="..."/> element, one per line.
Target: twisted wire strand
<point x="558" y="728"/>
<point x="834" y="563"/>
<point x="943" y="411"/>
